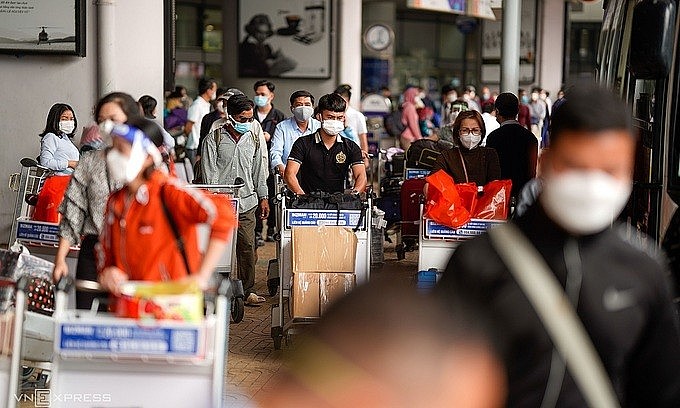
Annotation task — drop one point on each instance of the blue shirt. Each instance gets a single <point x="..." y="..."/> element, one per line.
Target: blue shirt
<point x="286" y="133"/>
<point x="56" y="151"/>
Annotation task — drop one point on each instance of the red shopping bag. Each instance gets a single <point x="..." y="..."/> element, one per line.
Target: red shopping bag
<point x="445" y="204"/>
<point x="49" y="198"/>
<point x="494" y="204"/>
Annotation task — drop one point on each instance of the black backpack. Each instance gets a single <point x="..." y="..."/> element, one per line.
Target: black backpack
<point x="423" y="153"/>
<point x="393" y="124"/>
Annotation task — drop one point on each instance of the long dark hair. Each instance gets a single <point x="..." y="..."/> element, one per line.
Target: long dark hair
<point x="52" y="124"/>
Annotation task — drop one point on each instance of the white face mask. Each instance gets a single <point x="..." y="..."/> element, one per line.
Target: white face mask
<point x="67" y="126"/>
<point x="213" y="96"/>
<point x="332" y="126"/>
<point x="418" y="102"/>
<point x="117" y="164"/>
<point x="452" y="97"/>
<point x="470" y="141"/>
<point x="584" y="202"/>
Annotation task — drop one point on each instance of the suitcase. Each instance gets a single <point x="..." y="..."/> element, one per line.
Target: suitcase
<point x="390" y="204"/>
<point x="390" y="186"/>
<point x="411" y="194"/>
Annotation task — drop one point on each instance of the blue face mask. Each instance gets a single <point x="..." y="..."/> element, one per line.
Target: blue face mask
<point x="525" y="99"/>
<point x="261" y="100"/>
<point x="240" y="127"/>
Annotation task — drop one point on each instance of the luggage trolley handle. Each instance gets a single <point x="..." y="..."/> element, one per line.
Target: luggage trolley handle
<point x="238" y="184"/>
<point x="19" y="313"/>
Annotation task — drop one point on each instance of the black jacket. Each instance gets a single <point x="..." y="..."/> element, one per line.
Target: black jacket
<point x="636" y="336"/>
<point x="517" y="150"/>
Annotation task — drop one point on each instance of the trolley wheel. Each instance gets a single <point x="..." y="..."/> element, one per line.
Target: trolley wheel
<point x="273" y="286"/>
<point x="238" y="309"/>
<point x="26" y="372"/>
<point x="277" y="336"/>
<point x="277" y="237"/>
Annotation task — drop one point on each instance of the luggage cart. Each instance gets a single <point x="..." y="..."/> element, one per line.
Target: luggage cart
<point x="101" y="360"/>
<point x="226" y="266"/>
<point x="26" y="337"/>
<point x="41" y="238"/>
<point x="27" y="184"/>
<point x="310" y="217"/>
<point x="273" y="278"/>
<point x="437" y="242"/>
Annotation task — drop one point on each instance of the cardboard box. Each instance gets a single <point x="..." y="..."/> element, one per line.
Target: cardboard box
<point x="333" y="287"/>
<point x="323" y="249"/>
<point x="323" y="268"/>
<point x="313" y="293"/>
<point x="306" y="294"/>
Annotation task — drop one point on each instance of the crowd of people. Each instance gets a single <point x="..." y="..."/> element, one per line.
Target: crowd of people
<point x="123" y="206"/>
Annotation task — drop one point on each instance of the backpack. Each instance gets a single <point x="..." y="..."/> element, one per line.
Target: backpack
<point x="393" y="123"/>
<point x="423" y="153"/>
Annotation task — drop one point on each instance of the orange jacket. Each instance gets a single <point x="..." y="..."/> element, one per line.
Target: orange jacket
<point x="139" y="240"/>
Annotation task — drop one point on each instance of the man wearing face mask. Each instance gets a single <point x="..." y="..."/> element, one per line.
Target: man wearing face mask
<point x="236" y="149"/>
<point x="619" y="290"/>
<point x="269" y="117"/>
<point x="287" y="132"/>
<point x="324" y="158"/>
<point x="137" y="241"/>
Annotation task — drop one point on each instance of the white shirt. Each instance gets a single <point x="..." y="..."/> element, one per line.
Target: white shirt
<point x="490" y="123"/>
<point x="199" y="108"/>
<point x="356" y="120"/>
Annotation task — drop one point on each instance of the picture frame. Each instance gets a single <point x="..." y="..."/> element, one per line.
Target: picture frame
<point x="284" y="39"/>
<point x="47" y="27"/>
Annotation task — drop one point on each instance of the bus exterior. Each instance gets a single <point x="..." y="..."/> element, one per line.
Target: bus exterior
<point x="638" y="60"/>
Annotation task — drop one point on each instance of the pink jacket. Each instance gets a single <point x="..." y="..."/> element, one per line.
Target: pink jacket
<point x="409" y="116"/>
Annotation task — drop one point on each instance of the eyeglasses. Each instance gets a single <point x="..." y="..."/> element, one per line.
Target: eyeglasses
<point x="241" y="119"/>
<point x="467" y="132"/>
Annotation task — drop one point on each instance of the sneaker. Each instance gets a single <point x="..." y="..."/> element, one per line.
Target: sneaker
<point x="260" y="241"/>
<point x="254" y="300"/>
<point x="270" y="235"/>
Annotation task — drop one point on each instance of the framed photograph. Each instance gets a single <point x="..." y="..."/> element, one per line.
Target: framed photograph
<point x="42" y="27"/>
<point x="284" y="38"/>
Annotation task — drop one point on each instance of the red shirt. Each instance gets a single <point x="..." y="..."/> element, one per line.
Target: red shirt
<point x="137" y="237"/>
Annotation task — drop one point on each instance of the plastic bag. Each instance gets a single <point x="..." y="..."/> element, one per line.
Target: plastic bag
<point x="445" y="204"/>
<point x="495" y="202"/>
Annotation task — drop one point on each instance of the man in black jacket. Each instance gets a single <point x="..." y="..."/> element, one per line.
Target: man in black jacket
<point x="620" y="291"/>
<point x="516" y="146"/>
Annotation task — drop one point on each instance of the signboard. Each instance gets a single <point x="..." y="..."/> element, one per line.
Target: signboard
<point x="38" y="231"/>
<point x="312" y="218"/>
<point x="128" y="339"/>
<point x="472" y="8"/>
<point x="470" y="230"/>
<point x="416" y="173"/>
<point x="42" y="27"/>
<point x="277" y="38"/>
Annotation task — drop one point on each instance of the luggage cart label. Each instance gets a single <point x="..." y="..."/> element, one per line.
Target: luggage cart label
<point x="416" y="173"/>
<point x="307" y="218"/>
<point x="38" y="231"/>
<point x="471" y="229"/>
<point x="128" y="339"/>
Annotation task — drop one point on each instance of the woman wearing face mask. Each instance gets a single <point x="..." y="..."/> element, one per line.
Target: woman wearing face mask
<point x="82" y="210"/>
<point x="468" y="162"/>
<point x="138" y="239"/>
<point x="409" y="117"/>
<point x="59" y="154"/>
